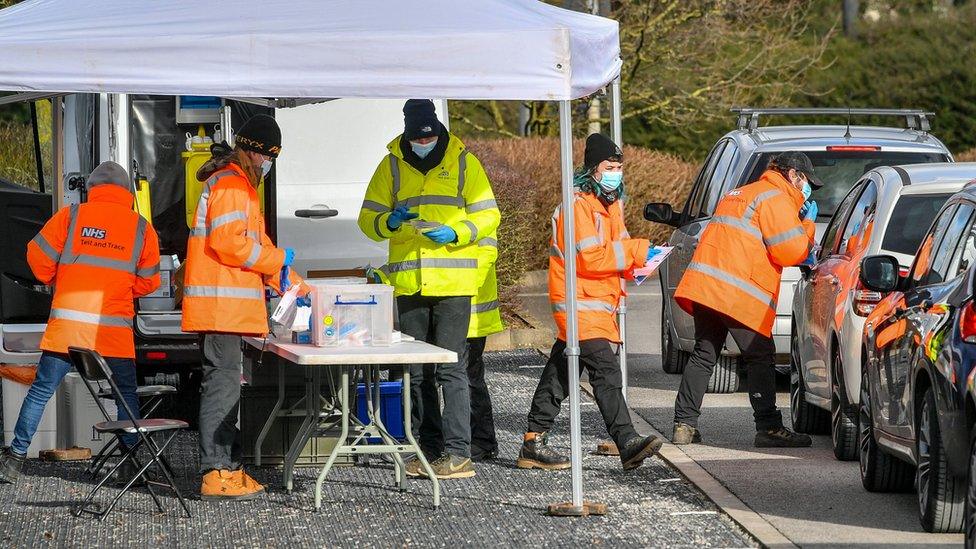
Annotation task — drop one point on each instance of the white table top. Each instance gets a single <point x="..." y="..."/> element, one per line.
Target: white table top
<point x="407" y="352"/>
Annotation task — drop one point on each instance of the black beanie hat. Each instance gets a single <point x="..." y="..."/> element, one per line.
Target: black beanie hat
<point x="599" y="148"/>
<point x="419" y="119"/>
<point x="260" y="134"/>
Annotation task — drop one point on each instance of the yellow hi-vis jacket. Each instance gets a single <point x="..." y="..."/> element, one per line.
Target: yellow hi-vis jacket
<point x="486" y="317"/>
<point x="456" y="193"/>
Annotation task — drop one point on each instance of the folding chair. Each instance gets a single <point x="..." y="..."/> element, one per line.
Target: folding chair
<point x="94" y="369"/>
<point x="151" y="397"/>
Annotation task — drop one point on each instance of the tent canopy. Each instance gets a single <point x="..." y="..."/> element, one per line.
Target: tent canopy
<point x="450" y="49"/>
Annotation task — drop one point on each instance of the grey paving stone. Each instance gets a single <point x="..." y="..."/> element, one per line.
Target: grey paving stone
<point x="501" y="506"/>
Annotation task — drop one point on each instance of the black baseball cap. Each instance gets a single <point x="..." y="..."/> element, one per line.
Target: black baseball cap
<point x="799" y="162"/>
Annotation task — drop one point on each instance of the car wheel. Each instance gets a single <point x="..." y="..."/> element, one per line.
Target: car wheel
<point x="843" y="427"/>
<point x="971" y="497"/>
<point x="941" y="496"/>
<point x="673" y="359"/>
<point x="880" y="472"/>
<point x="806" y="417"/>
<point x="725" y="375"/>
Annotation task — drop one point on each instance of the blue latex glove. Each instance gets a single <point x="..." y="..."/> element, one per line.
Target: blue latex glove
<point x="289" y="257"/>
<point x="399" y="215"/>
<point x="811" y="259"/>
<point x="304" y="301"/>
<point x="285" y="283"/>
<point x="442" y="234"/>
<point x="651" y="252"/>
<point x="809" y="210"/>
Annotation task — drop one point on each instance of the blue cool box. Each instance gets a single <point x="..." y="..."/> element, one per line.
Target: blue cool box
<point x="391" y="407"/>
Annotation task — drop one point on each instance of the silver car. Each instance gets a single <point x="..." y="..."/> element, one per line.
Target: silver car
<point x="840" y="154"/>
<point x="888" y="212"/>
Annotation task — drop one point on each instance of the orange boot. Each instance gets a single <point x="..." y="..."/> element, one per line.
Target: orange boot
<point x="227" y="485"/>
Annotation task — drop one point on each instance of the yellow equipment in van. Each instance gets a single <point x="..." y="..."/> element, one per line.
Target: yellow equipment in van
<point x="143" y="202"/>
<point x="192" y="161"/>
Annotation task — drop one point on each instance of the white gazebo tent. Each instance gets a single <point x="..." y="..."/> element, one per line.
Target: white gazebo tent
<point x="298" y="51"/>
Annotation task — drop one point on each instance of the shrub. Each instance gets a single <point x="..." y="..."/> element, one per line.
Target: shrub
<point x="526" y="178"/>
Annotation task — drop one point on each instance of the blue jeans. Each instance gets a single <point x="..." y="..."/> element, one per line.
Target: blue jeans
<point x="50" y="371"/>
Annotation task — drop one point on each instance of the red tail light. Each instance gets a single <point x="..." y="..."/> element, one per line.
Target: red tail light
<point x="156" y="355"/>
<point x="865" y="300"/>
<point x="967" y="324"/>
<point x="853" y="148"/>
<point x="903" y="271"/>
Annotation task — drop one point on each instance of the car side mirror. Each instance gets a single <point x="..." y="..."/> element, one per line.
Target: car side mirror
<point x="660" y="212"/>
<point x="879" y="273"/>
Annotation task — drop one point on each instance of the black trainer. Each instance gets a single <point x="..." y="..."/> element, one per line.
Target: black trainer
<point x="478" y="455"/>
<point x="781" y="437"/>
<point x="536" y="454"/>
<point x="637" y="449"/>
<point x="10" y="466"/>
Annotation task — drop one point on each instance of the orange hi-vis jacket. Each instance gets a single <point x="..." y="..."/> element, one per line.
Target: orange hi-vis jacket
<point x="99" y="256"/>
<point x="229" y="259"/>
<point x="755" y="232"/>
<point x="605" y="254"/>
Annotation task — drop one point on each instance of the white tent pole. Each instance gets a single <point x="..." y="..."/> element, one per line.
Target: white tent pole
<point x="617" y="134"/>
<point x="572" y="333"/>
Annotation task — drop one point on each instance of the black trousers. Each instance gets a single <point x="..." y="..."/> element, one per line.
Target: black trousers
<point x="758" y="354"/>
<point x="442" y="321"/>
<point x="602" y="365"/>
<point x="483" y="440"/>
<point x="220" y="402"/>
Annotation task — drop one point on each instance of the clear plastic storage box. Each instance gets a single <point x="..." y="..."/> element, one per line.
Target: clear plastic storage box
<point x="352" y="314"/>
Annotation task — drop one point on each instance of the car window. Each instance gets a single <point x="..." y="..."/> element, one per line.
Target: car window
<point x="831" y="237"/>
<point x="911" y="217"/>
<point x="858" y="230"/>
<point x="967" y="252"/>
<point x="923" y="259"/>
<point x="839" y="169"/>
<point x="701" y="186"/>
<point x="945" y="249"/>
<point x="716" y="182"/>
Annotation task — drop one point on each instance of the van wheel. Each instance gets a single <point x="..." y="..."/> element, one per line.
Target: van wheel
<point x="843" y="423"/>
<point x="806" y="417"/>
<point x="725" y="375"/>
<point x="673" y="359"/>
<point x="941" y="496"/>
<point x="880" y="472"/>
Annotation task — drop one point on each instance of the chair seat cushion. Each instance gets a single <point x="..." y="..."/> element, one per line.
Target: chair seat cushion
<point x="145" y="425"/>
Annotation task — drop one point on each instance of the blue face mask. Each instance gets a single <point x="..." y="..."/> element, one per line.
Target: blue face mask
<point x="611" y="181"/>
<point x="422" y="150"/>
<point x="807" y="190"/>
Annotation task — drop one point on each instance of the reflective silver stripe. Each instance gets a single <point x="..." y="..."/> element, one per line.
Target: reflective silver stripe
<point x="376" y="224"/>
<point x="624" y="235"/>
<point x="255" y="255"/>
<point x="68" y="245"/>
<point x="439" y="263"/>
<point x="104" y="262"/>
<point x="599" y="228"/>
<point x="148" y="271"/>
<point x="554" y="251"/>
<point x="198" y="231"/>
<point x="587" y="243"/>
<point x="473" y="228"/>
<point x="433" y="200"/>
<point x="395" y="175"/>
<point x="228" y="218"/>
<point x="46" y="247"/>
<point x="484" y="307"/>
<point x="223" y="291"/>
<point x="743" y="285"/>
<point x="740" y="224"/>
<point x="785" y="236"/>
<point x="203" y="204"/>
<point x="374" y="206"/>
<point x="253" y="235"/>
<point x="401" y="266"/>
<point x="481" y="205"/>
<point x="618" y="252"/>
<point x="92" y="318"/>
<point x="585" y="305"/>
<point x="751" y="209"/>
<point x="139" y="244"/>
<point x="488" y="241"/>
<point x="462" y="167"/>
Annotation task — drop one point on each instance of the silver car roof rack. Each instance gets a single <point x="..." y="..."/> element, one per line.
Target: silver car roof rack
<point x="915" y="119"/>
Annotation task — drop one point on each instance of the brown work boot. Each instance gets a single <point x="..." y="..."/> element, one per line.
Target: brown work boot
<point x="415" y="469"/>
<point x="223" y="484"/>
<point x="247" y="481"/>
<point x="536" y="454"/>
<point x="685" y="434"/>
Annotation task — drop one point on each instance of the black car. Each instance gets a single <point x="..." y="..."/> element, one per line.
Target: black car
<point x="917" y="408"/>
